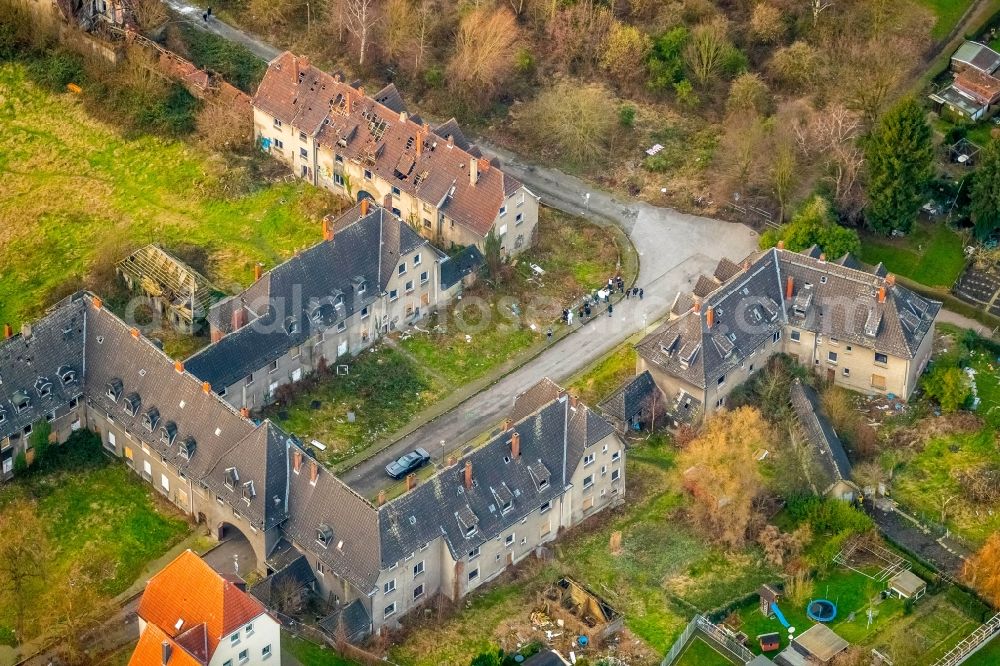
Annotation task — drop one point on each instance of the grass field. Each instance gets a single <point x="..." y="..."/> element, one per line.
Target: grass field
<point x="101" y="512"/>
<point x="700" y="653"/>
<point x="491" y="326"/>
<point x="384" y="389"/>
<point x="987" y="656"/>
<point x="310" y="654"/>
<point x="931" y="255"/>
<point x="596" y="382"/>
<point x="948" y="13"/>
<point x="77" y="194"/>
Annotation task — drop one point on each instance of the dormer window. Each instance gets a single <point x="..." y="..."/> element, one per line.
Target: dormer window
<point x="291" y="326"/>
<point x="187" y="448"/>
<point x="113" y="389"/>
<point x="151" y="418"/>
<point x="21" y="401"/>
<point x="131" y="404"/>
<point x="168" y="432"/>
<point x="67" y="375"/>
<point x="248" y="491"/>
<point x="232" y="478"/>
<point x="324" y="535"/>
<point x="338" y="300"/>
<point x="3" y="415"/>
<point x="43" y="387"/>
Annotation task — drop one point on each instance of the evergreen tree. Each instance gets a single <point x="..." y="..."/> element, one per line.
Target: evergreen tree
<point x="899" y="154"/>
<point x="985" y="193"/>
<point x="39" y="441"/>
<point x="814" y="224"/>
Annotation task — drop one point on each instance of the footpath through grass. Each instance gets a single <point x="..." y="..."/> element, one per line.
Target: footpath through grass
<point x="77" y="194"/>
<point x="947" y="13"/>
<point x="931" y="255"/>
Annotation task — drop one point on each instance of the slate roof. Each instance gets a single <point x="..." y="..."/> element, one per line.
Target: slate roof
<point x="831" y="455"/>
<point x="630" y="398"/>
<point x="298" y="297"/>
<point x="253" y="476"/>
<point x="383" y="137"/>
<point x="187" y="593"/>
<point x="835" y="300"/>
<point x="444" y="506"/>
<point x="456" y="267"/>
<point x="297" y="573"/>
<point x="532" y="399"/>
<point x="357" y="624"/>
<point x="35" y="363"/>
<point x="351" y="519"/>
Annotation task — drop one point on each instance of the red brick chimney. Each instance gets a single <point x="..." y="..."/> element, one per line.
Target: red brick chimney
<point x="411" y="481"/>
<point x="258" y="271"/>
<point x="244" y="412"/>
<point x="890" y="280"/>
<point x="381" y="498"/>
<point x="710" y="317"/>
<point x="508" y="423"/>
<point x="420" y="142"/>
<point x="387" y="201"/>
<point x="781" y="245"/>
<point x="697" y="304"/>
<point x="789" y="287"/>
<point x="206" y="387"/>
<point x="216" y="334"/>
<point x="178" y="366"/>
<point x="361" y="90"/>
<point x="484" y="165"/>
<point x="328" y="229"/>
<point x="468" y="475"/>
<point x="347" y="102"/>
<point x="239" y="318"/>
<point x="313" y="472"/>
<point x="364" y="206"/>
<point x="881" y="294"/>
<point x="451" y="461"/>
<point x="822" y="257"/>
<point x="135" y="333"/>
<point x="296" y="461"/>
<point x="8" y="331"/>
<point x="98" y="303"/>
<point x="515" y="445"/>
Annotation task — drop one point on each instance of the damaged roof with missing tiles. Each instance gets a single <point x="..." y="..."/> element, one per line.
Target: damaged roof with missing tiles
<point x="552" y="440"/>
<point x="837" y="299"/>
<point x="381" y="136"/>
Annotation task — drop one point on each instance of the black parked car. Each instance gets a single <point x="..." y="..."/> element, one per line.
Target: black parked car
<point x="411" y="462"/>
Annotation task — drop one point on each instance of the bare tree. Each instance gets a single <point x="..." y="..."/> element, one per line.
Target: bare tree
<point x="783" y="175"/>
<point x="818" y="7"/>
<point x="359" y="18"/>
<point x="23" y="547"/>
<point x="833" y="134"/>
<point x="484" y="52"/>
<point x="426" y="15"/>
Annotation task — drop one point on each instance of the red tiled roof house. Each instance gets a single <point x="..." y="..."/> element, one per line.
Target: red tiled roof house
<point x="334" y="135"/>
<point x="190" y="615"/>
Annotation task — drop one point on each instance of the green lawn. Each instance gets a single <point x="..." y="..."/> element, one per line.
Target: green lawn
<point x="599" y="380"/>
<point x="384" y="389"/>
<point x="948" y="12"/>
<point x="700" y="653"/>
<point x="987" y="656"/>
<point x="310" y="654"/>
<point x="77" y="194"/>
<point x="931" y="254"/>
<point x="491" y="326"/>
<point x="100" y="512"/>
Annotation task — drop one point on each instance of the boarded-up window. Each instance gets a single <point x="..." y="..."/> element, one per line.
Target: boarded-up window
<point x="128" y="452"/>
<point x="588" y="503"/>
<point x="878" y="382"/>
<point x="546" y="528"/>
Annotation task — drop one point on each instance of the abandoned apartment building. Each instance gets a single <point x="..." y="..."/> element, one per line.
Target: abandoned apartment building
<point x="852" y="324"/>
<point x="336" y="136"/>
<point x="553" y="464"/>
<point x="370" y="275"/>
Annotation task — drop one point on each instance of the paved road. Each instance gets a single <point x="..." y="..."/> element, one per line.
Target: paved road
<point x="193" y="14"/>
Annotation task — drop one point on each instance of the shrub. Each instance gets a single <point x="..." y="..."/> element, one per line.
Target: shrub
<point x="56" y="69"/>
<point x="949" y="386"/>
<point x="626" y="115"/>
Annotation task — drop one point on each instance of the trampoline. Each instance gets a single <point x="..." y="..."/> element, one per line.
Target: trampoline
<point x="821" y="610"/>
